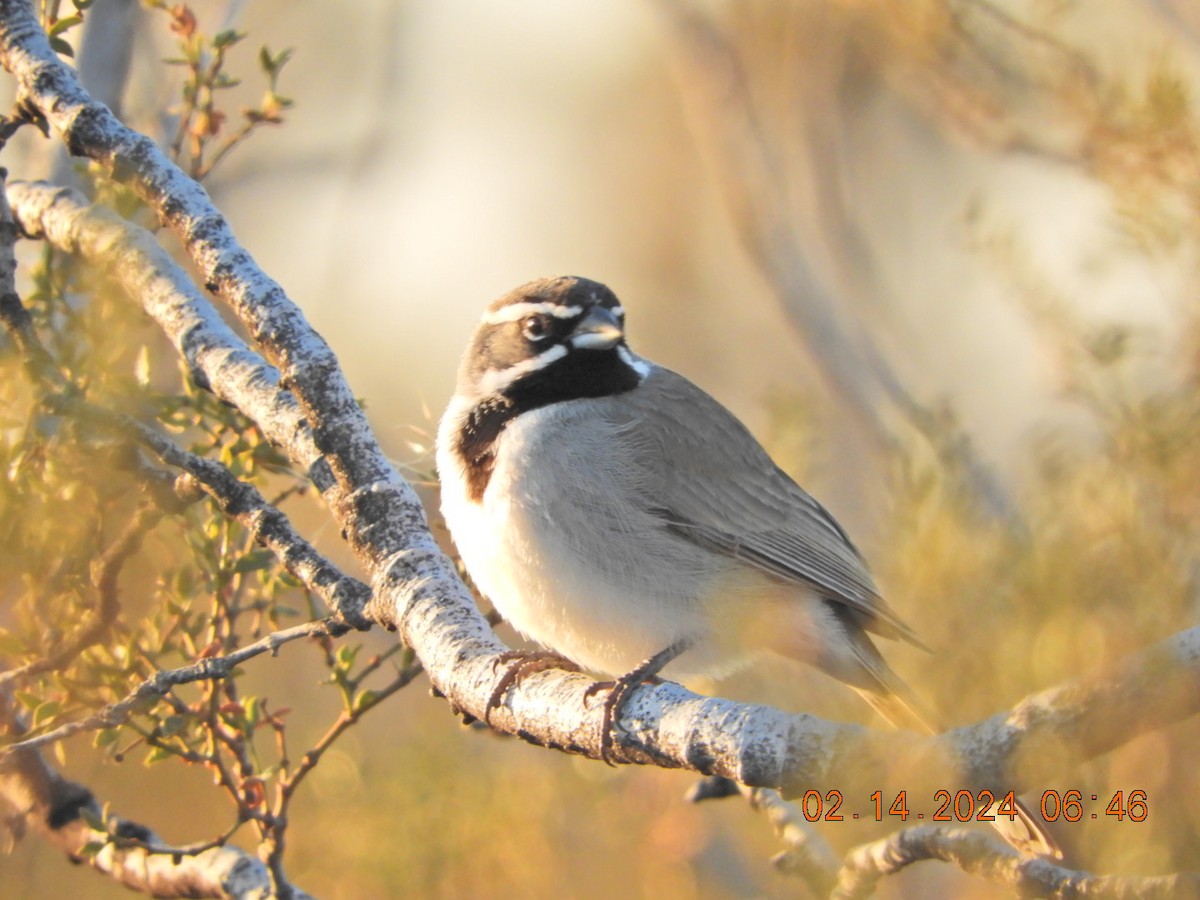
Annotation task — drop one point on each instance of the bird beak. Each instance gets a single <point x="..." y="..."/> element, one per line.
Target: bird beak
<point x="599" y="330"/>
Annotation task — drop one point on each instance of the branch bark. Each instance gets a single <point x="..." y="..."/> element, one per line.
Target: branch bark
<point x="980" y="854"/>
<point x="55" y="807"/>
<point x="128" y="253"/>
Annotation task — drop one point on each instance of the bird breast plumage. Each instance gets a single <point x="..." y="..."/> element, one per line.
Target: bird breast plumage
<point x="571" y="545"/>
<point x="576" y="578"/>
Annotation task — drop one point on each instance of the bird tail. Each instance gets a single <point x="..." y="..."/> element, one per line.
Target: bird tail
<point x="900" y="708"/>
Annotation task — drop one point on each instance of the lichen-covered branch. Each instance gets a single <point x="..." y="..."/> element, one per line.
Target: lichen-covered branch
<point x="216" y="357"/>
<point x="979" y="853"/>
<point x="59" y="809"/>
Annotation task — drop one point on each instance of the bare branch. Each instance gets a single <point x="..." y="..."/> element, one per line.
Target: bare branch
<point x="978" y="853"/>
<point x="104" y="60"/>
<point x="807" y="856"/>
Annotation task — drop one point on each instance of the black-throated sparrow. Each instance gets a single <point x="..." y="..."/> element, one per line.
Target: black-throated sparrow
<point x="620" y="516"/>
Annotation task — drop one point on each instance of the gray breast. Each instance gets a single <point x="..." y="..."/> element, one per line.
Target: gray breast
<point x="577" y="472"/>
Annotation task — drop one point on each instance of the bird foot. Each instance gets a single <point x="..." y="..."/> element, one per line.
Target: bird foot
<point x="619" y="691"/>
<point x="521" y="664"/>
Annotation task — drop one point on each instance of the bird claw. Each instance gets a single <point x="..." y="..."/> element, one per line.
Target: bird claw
<point x="521" y="664"/>
<point x="619" y="691"/>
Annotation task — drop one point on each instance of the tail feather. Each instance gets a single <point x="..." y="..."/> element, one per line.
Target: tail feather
<point x="900" y="709"/>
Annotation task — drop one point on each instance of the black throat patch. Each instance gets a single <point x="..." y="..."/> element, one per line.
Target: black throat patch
<point x="579" y="375"/>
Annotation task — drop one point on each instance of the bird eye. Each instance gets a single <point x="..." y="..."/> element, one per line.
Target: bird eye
<point x="536" y="328"/>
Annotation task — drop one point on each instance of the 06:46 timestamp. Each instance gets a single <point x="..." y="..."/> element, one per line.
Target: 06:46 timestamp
<point x="983" y="806"/>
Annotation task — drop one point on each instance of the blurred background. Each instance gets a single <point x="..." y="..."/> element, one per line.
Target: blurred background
<point x="940" y="256"/>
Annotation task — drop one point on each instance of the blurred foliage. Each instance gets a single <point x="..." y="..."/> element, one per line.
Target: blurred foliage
<point x="202" y="137"/>
<point x="57" y="25"/>
<point x="1108" y="564"/>
<point x="1108" y="560"/>
<point x="410" y="803"/>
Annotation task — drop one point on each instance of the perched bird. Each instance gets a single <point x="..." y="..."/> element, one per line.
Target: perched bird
<point x="618" y="515"/>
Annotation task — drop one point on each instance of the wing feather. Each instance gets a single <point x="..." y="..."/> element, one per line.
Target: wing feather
<point x="716" y="486"/>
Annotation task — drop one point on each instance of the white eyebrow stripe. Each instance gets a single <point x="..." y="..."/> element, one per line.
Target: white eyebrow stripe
<point x="496" y="380"/>
<point x="618" y="311"/>
<point x="517" y="311"/>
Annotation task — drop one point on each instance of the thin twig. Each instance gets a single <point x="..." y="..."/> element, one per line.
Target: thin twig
<point x="209" y="669"/>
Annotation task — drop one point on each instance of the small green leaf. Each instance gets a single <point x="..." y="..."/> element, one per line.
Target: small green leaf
<point x="45" y="711"/>
<point x="156" y="755"/>
<point x="345" y="656"/>
<point x="61" y="46"/>
<point x="227" y="38"/>
<point x="272" y="64"/>
<point x="253" y="709"/>
<point x="253" y="561"/>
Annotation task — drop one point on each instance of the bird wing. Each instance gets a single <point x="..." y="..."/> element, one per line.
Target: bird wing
<point x="715" y="485"/>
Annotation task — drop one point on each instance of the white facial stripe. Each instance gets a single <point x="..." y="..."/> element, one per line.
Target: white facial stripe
<point x="618" y="311"/>
<point x="514" y="312"/>
<point x="496" y="380"/>
<point x="635" y="362"/>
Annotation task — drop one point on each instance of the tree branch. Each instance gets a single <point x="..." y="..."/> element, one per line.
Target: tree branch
<point x="978" y="853"/>
<point x="59" y="810"/>
<point x="208" y="669"/>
